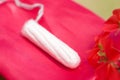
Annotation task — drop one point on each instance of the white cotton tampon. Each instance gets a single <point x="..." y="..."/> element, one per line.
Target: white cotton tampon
<point x="51" y="44"/>
<point x="47" y="41"/>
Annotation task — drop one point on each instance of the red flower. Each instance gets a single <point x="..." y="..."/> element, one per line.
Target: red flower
<point x="115" y="40"/>
<point x="103" y="51"/>
<point x="112" y="26"/>
<point x="94" y="58"/>
<point x="105" y="56"/>
<point x="113" y="23"/>
<point x="107" y="72"/>
<point x="111" y="52"/>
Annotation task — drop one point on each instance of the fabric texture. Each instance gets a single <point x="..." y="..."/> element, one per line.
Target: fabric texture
<point x="22" y="60"/>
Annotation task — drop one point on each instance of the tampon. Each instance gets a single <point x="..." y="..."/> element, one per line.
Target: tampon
<point x="51" y="44"/>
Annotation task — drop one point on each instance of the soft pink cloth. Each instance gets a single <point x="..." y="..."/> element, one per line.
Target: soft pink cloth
<point x="22" y="60"/>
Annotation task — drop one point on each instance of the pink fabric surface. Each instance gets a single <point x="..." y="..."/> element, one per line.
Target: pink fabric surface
<point x="22" y="60"/>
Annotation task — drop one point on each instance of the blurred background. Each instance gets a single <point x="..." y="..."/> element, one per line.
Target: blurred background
<point x="102" y="8"/>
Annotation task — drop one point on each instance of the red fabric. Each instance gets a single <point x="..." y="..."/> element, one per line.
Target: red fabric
<point x="22" y="60"/>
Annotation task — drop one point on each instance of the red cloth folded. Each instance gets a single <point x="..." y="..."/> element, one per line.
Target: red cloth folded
<point x="22" y="60"/>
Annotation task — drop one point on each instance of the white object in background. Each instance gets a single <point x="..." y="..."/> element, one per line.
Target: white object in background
<point x="51" y="44"/>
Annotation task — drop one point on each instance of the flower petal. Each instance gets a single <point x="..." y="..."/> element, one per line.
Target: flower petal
<point x="117" y="13"/>
<point x="94" y="58"/>
<point x="110" y="27"/>
<point x="115" y="36"/>
<point x="112" y="20"/>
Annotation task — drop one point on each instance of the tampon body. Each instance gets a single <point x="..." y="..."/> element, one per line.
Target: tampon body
<point x="51" y="44"/>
